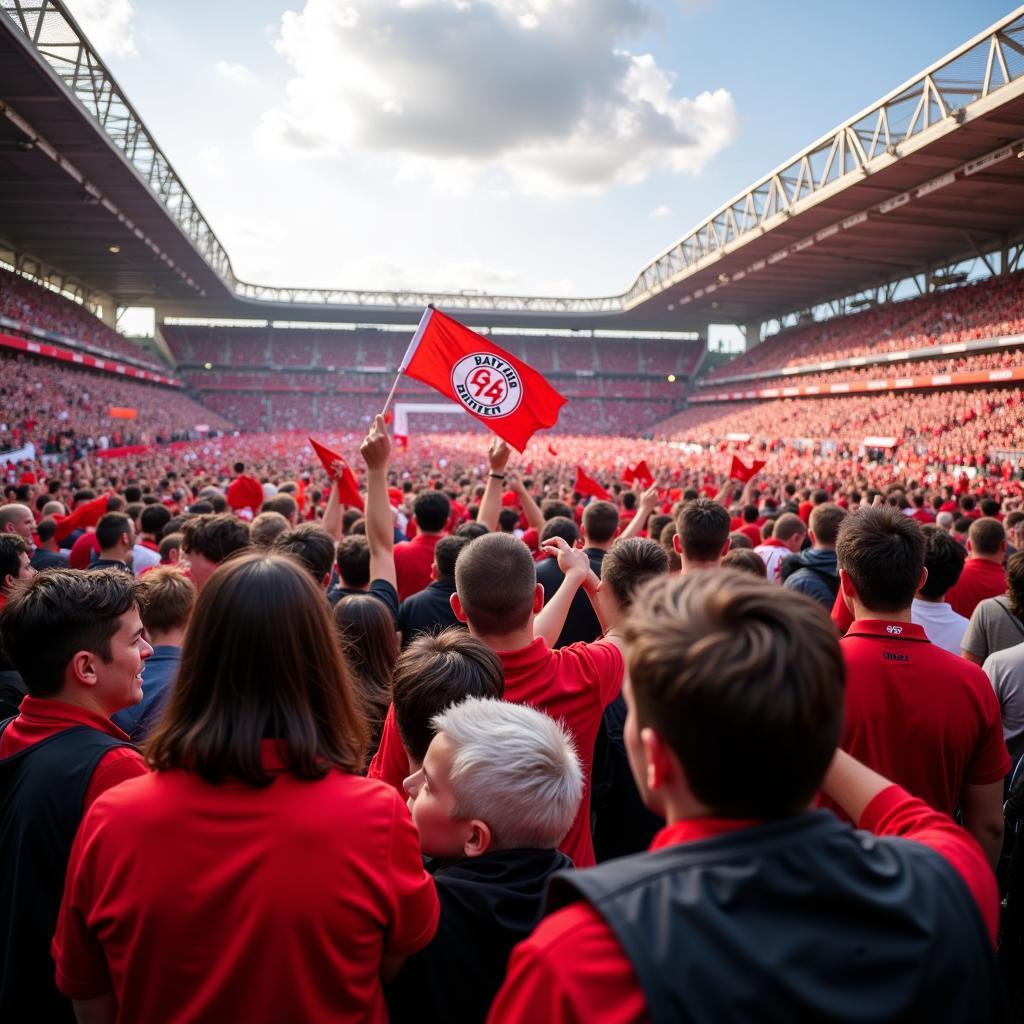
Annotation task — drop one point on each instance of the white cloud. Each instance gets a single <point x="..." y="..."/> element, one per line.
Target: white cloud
<point x="536" y="95"/>
<point x="233" y="72"/>
<point x="108" y="24"/>
<point x="661" y="211"/>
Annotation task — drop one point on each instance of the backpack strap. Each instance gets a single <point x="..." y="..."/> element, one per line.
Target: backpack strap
<point x="1013" y="618"/>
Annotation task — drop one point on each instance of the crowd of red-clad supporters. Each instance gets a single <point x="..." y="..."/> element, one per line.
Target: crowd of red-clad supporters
<point x="987" y="309"/>
<point x="30" y="305"/>
<point x="468" y="737"/>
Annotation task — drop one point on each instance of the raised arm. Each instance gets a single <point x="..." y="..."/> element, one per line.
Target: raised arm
<point x="647" y="504"/>
<point x="575" y="564"/>
<point x="490" y="505"/>
<point x="530" y="508"/>
<point x="333" y="520"/>
<point x="380" y="532"/>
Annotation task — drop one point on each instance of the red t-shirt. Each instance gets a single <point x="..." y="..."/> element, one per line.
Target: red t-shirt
<point x="573" y="684"/>
<point x="39" y="719"/>
<point x="752" y="532"/>
<point x="413" y="559"/>
<point x="82" y="551"/>
<point x="979" y="580"/>
<point x="278" y="904"/>
<point x="923" y="516"/>
<point x="572" y="968"/>
<point x="922" y="717"/>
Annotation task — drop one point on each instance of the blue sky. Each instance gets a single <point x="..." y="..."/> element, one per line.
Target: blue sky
<point x="518" y="146"/>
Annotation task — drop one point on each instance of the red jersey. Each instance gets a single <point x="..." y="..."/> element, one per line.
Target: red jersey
<point x="919" y="715"/>
<point x="83" y="550"/>
<point x="40" y="718"/>
<point x="572" y="968"/>
<point x="275" y="908"/>
<point x="413" y="560"/>
<point x="980" y="579"/>
<point x="752" y="532"/>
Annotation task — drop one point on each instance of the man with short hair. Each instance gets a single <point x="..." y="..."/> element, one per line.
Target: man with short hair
<point x="430" y="610"/>
<point x="983" y="573"/>
<point x="207" y="540"/>
<point x="814" y="572"/>
<point x="17" y="519"/>
<point x="284" y="504"/>
<point x="115" y="535"/>
<point x="166" y="598"/>
<point x="15" y="564"/>
<point x="413" y="558"/>
<point x="944" y="562"/>
<point x="266" y="528"/>
<point x="750" y="906"/>
<point x="787" y="538"/>
<point x="48" y="554"/>
<point x="921" y="716"/>
<point x="702" y="534"/>
<point x="313" y="546"/>
<point x="600" y="525"/>
<point x="77" y="640"/>
<point x="152" y="520"/>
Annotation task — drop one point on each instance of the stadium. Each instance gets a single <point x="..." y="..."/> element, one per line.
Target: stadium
<point x="876" y="278"/>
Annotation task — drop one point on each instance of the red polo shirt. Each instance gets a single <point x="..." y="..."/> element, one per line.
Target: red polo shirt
<point x="573" y="969"/>
<point x="278" y="904"/>
<point x="979" y="580"/>
<point x="841" y="615"/>
<point x="919" y="715"/>
<point x="573" y="684"/>
<point x="413" y="559"/>
<point x="39" y="718"/>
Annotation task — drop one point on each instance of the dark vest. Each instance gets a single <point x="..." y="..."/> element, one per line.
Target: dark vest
<point x="42" y="790"/>
<point x="797" y="920"/>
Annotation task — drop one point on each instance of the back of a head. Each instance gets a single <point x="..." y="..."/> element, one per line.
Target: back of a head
<point x="600" y="522"/>
<point x="508" y="520"/>
<point x="667" y="540"/>
<point x="446" y="554"/>
<point x="260" y="661"/>
<point x="986" y="537"/>
<point x="496" y="581"/>
<point x="943" y="558"/>
<point x="170" y="543"/>
<point x="366" y="632"/>
<point x="788" y="526"/>
<point x="111" y="528"/>
<point x="552" y="507"/>
<point x="266" y="528"/>
<point x="824" y="524"/>
<point x="882" y="551"/>
<point x="431" y="510"/>
<point x="471" y="530"/>
<point x="745" y="560"/>
<point x="166" y="599"/>
<point x="47" y="529"/>
<point x="154" y="518"/>
<point x="739" y="540"/>
<point x="352" y="557"/>
<point x="59" y="612"/>
<point x="283" y="503"/>
<point x="703" y="529"/>
<point x="560" y="526"/>
<point x="744" y="681"/>
<point x="312" y="545"/>
<point x="434" y="672"/>
<point x="515" y="769"/>
<point x="214" y="536"/>
<point x="629" y="564"/>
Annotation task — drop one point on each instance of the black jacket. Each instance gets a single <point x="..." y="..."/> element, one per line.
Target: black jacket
<point x="581" y="625"/>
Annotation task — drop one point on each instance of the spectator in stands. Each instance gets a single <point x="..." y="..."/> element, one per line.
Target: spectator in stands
<point x="751" y="528"/>
<point x="15" y="564"/>
<point x="414" y="558"/>
<point x="998" y="622"/>
<point x="115" y="537"/>
<point x="744" y="560"/>
<point x="600" y="525"/>
<point x="240" y="717"/>
<point x="814" y="572"/>
<point x="787" y="538"/>
<point x="152" y="520"/>
<point x="208" y="540"/>
<point x="495" y="795"/>
<point x="736" y="700"/>
<point x="1014" y="526"/>
<point x="166" y="599"/>
<point x="702" y="534"/>
<point x="266" y="528"/>
<point x="285" y="504"/>
<point x="77" y="641"/>
<point x="667" y="539"/>
<point x="312" y="545"/>
<point x="983" y="574"/>
<point x="170" y="549"/>
<point x="925" y="718"/>
<point x="17" y="519"/>
<point x="430" y="610"/>
<point x="943" y="561"/>
<point x="48" y="554"/>
<point x="1005" y="670"/>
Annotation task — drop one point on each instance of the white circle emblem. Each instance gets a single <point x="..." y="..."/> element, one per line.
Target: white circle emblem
<point x="487" y="385"/>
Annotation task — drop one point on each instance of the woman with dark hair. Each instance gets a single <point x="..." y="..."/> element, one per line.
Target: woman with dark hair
<point x="254" y="875"/>
<point x="998" y="622"/>
<point x="368" y="640"/>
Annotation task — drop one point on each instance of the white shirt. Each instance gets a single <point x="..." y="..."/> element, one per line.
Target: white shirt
<point x="943" y="626"/>
<point x="773" y="556"/>
<point x="1005" y="669"/>
<point x="143" y="558"/>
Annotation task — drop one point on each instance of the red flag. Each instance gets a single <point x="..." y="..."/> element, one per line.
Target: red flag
<point x="585" y="485"/>
<point x="492" y="385"/>
<point x="245" y="492"/>
<point x="348" y="486"/>
<point x="738" y="471"/>
<point x="87" y="514"/>
<point x="639" y="472"/>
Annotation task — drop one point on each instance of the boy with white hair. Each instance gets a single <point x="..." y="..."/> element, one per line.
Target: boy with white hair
<point x="497" y="792"/>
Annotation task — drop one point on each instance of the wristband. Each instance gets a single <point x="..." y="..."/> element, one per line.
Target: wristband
<point x="498" y="476"/>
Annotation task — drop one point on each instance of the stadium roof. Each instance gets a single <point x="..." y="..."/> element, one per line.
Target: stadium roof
<point x="929" y="174"/>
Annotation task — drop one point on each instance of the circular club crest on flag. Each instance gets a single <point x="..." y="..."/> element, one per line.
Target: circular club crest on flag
<point x="487" y="385"/>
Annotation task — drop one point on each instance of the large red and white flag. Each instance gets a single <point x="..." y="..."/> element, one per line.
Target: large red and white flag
<point x="491" y="384"/>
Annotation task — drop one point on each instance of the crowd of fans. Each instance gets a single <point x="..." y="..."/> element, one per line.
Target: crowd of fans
<point x="32" y="305"/>
<point x="267" y="755"/>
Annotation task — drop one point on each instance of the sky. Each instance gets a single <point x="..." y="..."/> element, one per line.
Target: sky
<point x="548" y="147"/>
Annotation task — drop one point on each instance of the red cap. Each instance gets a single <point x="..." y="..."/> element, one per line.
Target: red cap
<point x="531" y="538"/>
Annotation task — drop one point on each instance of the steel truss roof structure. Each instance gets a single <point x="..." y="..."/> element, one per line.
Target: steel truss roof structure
<point x="944" y="139"/>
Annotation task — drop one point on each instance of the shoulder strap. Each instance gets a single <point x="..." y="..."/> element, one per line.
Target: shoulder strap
<point x="1013" y="618"/>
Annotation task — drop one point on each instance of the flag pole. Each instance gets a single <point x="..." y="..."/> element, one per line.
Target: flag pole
<point x="409" y="353"/>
